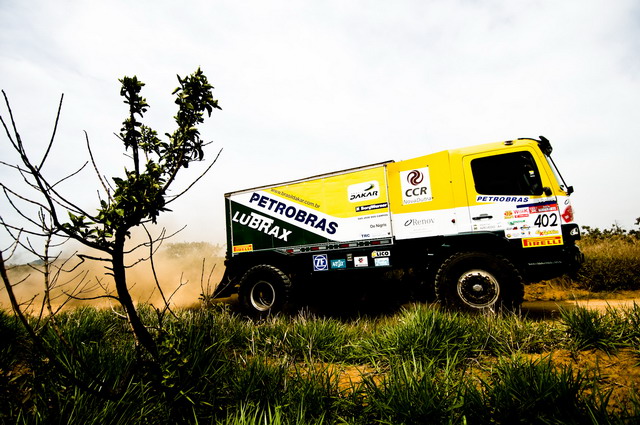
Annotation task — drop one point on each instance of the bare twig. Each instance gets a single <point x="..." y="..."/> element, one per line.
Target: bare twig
<point x="95" y="167"/>
<point x="173" y="198"/>
<point x="53" y="135"/>
<point x="153" y="268"/>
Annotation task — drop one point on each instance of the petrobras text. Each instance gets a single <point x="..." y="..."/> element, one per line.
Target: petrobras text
<point x="295" y="213"/>
<point x="484" y="198"/>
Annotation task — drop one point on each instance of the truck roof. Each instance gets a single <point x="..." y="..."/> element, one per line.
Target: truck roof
<point x="486" y="147"/>
<point x="315" y="177"/>
<point x="467" y="150"/>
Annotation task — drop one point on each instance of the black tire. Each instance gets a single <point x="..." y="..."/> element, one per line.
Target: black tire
<point x="264" y="291"/>
<point x="478" y="281"/>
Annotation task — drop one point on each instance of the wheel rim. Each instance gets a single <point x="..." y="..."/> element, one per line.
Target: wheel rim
<point x="478" y="289"/>
<point x="262" y="296"/>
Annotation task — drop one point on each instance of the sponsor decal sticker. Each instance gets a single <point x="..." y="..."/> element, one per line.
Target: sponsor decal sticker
<point x="361" y="261"/>
<point x="293" y="212"/>
<point x="262" y="224"/>
<point x="381" y="262"/>
<point x="372" y="207"/>
<point x="364" y="191"/>
<point x="416" y="186"/>
<point x="320" y="262"/>
<point x="533" y="221"/>
<point x="375" y="254"/>
<point x="339" y="263"/>
<point x="295" y="198"/>
<point x="538" y="209"/>
<point x="487" y="227"/>
<point x="419" y="222"/>
<point x="243" y="248"/>
<point x="538" y="242"/>
<point x="484" y="198"/>
<point x="518" y="213"/>
<point x="547" y="232"/>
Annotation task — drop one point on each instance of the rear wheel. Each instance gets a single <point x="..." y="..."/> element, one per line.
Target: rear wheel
<point x="264" y="290"/>
<point x="478" y="281"/>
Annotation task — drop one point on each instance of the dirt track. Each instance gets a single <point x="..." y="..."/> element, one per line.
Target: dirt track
<point x="546" y="300"/>
<point x="551" y="309"/>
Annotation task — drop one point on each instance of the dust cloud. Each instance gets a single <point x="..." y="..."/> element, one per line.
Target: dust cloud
<point x="184" y="271"/>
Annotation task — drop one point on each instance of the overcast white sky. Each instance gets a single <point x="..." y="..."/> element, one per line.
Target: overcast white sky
<point x="309" y="87"/>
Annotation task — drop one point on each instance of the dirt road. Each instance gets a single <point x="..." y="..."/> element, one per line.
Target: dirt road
<point x="551" y="309"/>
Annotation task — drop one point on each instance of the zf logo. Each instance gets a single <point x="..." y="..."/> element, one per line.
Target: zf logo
<point x="320" y="262"/>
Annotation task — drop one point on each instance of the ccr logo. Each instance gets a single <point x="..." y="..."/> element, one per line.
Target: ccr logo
<point x="416" y="186"/>
<point x="415" y="177"/>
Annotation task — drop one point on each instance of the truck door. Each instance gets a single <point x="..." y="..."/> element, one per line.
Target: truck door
<point x="509" y="193"/>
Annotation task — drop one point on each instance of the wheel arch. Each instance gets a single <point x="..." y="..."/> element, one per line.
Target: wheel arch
<point x="487" y="242"/>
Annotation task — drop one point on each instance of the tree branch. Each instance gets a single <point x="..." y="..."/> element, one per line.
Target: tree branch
<point x="173" y="198"/>
<point x="53" y="135"/>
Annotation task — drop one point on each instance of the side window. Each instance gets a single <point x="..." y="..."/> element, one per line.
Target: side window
<point x="506" y="174"/>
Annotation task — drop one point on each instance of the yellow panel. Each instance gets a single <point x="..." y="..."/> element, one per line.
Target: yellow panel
<point x="421" y="184"/>
<point x="340" y="195"/>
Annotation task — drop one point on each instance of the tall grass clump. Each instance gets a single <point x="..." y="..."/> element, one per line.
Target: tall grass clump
<point x="510" y="334"/>
<point x="417" y="391"/>
<point x="306" y="391"/>
<point x="13" y="359"/>
<point x="632" y="321"/>
<point x="321" y="338"/>
<point x="425" y="332"/>
<point x="590" y="329"/>
<point x="254" y="415"/>
<point x="537" y="392"/>
<point x="305" y="337"/>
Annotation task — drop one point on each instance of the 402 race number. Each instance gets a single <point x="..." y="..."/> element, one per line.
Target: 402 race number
<point x="546" y="220"/>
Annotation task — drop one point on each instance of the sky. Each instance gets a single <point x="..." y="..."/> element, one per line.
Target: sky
<point x="308" y="87"/>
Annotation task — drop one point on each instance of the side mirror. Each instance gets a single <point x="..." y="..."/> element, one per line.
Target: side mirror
<point x="547" y="191"/>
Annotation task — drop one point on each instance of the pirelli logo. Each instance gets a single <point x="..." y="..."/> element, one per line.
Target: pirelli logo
<point x="243" y="248"/>
<point x="546" y="241"/>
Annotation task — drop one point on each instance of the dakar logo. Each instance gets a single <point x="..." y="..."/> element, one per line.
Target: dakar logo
<point x="366" y="190"/>
<point x="415" y="177"/>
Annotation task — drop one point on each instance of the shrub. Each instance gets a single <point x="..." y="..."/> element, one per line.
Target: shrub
<point x="610" y="265"/>
<point x="612" y="259"/>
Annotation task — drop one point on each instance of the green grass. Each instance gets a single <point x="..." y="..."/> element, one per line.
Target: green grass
<point x="421" y="366"/>
<point x="537" y="392"/>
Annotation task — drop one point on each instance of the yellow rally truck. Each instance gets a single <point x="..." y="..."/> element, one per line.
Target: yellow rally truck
<point x="473" y="223"/>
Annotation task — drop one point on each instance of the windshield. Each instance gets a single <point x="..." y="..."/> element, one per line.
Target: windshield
<point x="563" y="185"/>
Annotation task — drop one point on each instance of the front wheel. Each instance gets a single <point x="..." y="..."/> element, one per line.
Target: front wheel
<point x="264" y="290"/>
<point x="478" y="281"/>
